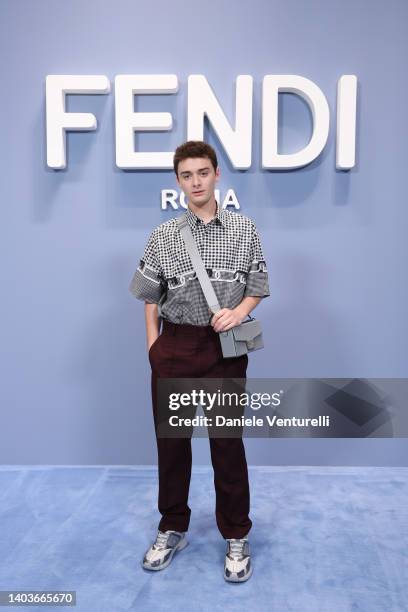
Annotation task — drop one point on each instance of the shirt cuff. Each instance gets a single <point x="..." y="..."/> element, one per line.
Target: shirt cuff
<point x="146" y="285"/>
<point x="257" y="281"/>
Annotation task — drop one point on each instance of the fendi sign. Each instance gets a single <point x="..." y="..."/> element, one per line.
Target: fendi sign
<point x="236" y="140"/>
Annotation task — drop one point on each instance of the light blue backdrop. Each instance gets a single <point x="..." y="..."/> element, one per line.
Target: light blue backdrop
<point x="76" y="378"/>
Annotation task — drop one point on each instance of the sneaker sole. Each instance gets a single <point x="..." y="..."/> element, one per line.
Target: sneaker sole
<point x="236" y="579"/>
<point x="180" y="546"/>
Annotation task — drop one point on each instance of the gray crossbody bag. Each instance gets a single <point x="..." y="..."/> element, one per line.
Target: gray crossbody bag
<point x="241" y="339"/>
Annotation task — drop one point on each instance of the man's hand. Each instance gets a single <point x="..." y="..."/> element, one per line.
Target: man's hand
<point x="226" y="318"/>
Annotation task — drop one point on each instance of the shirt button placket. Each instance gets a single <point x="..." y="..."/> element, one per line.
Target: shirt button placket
<point x="200" y="236"/>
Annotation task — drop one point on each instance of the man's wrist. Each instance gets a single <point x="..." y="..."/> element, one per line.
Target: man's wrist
<point x="246" y="306"/>
<point x="242" y="310"/>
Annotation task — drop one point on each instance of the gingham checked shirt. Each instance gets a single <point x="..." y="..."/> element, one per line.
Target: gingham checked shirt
<point x="231" y="250"/>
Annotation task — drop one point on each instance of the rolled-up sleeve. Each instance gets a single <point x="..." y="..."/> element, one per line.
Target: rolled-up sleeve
<point x="148" y="282"/>
<point x="257" y="283"/>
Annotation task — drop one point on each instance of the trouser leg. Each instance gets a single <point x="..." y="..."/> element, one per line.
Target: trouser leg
<point x="231" y="487"/>
<point x="229" y="460"/>
<point x="174" y="460"/>
<point x="174" y="472"/>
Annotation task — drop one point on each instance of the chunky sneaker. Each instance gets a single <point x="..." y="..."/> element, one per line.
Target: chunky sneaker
<point x="237" y="567"/>
<point x="160" y="554"/>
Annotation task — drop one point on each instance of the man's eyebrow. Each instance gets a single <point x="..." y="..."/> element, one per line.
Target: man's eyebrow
<point x="199" y="170"/>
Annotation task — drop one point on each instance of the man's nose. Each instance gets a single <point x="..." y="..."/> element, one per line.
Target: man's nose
<point x="196" y="181"/>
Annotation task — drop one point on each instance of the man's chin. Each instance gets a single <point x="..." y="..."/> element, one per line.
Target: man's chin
<point x="202" y="198"/>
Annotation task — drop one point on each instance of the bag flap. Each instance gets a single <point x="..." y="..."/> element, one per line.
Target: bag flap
<point x="247" y="331"/>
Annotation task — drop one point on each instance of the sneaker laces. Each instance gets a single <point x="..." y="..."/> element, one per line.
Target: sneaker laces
<point x="236" y="547"/>
<point x="161" y="539"/>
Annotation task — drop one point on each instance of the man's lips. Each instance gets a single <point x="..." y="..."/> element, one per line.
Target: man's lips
<point x="197" y="192"/>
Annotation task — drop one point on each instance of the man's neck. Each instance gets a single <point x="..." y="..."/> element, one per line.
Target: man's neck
<point x="206" y="212"/>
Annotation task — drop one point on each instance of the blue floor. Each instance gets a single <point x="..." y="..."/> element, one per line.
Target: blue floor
<point x="323" y="539"/>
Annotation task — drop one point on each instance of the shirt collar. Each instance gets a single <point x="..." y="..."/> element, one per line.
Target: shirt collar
<point x="192" y="218"/>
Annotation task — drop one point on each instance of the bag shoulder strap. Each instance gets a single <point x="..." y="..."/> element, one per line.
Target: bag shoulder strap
<point x="198" y="263"/>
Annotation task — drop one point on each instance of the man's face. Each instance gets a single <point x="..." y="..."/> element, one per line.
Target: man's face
<point x="197" y="178"/>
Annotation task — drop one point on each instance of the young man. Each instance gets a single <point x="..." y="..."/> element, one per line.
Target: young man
<point x="189" y="347"/>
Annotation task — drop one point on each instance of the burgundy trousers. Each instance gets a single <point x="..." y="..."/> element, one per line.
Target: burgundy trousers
<point x="184" y="351"/>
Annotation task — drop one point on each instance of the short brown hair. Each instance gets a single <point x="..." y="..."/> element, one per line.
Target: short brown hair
<point x="194" y="148"/>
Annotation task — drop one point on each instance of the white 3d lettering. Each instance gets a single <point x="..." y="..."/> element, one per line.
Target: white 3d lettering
<point x="236" y="141"/>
